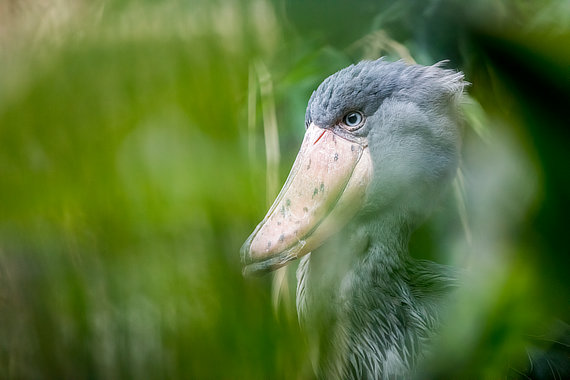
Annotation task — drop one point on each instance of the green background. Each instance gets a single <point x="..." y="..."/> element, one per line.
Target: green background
<point x="141" y="142"/>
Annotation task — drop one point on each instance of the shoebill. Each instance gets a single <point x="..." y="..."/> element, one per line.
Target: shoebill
<point x="381" y="144"/>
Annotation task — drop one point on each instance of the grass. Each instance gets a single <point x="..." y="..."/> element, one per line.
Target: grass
<point x="141" y="142"/>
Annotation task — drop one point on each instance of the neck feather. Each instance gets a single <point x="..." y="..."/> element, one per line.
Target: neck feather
<point x="388" y="238"/>
<point x="378" y="302"/>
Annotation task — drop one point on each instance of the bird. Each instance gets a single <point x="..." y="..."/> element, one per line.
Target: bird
<point x="382" y="144"/>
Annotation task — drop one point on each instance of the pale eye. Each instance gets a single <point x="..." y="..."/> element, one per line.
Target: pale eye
<point x="353" y="119"/>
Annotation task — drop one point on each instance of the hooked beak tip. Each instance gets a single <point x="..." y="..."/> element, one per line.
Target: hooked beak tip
<point x="244" y="252"/>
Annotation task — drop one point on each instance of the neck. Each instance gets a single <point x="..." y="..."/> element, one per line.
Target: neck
<point x="383" y="297"/>
<point x="387" y="238"/>
<point x="368" y="248"/>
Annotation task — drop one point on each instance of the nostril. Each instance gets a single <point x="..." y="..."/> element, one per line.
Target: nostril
<point x="319" y="137"/>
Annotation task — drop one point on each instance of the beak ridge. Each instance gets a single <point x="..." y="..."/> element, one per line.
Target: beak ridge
<point x="327" y="181"/>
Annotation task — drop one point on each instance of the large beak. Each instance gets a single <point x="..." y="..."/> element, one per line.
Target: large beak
<point x="324" y="190"/>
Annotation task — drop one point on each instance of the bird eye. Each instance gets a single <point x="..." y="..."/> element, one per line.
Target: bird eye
<point x="353" y="119"/>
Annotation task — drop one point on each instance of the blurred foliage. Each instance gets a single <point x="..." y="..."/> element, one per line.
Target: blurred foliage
<point x="132" y="167"/>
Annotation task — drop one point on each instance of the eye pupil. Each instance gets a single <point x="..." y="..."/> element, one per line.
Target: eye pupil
<point x="353" y="119"/>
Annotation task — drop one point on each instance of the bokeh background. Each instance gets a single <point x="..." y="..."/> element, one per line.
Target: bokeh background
<point x="141" y="142"/>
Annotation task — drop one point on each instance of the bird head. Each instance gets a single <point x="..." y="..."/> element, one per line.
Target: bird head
<point x="380" y="137"/>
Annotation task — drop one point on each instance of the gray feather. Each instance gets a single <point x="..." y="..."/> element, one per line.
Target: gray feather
<point x="370" y="309"/>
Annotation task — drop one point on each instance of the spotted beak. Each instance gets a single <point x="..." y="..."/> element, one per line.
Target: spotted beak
<point x="325" y="188"/>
